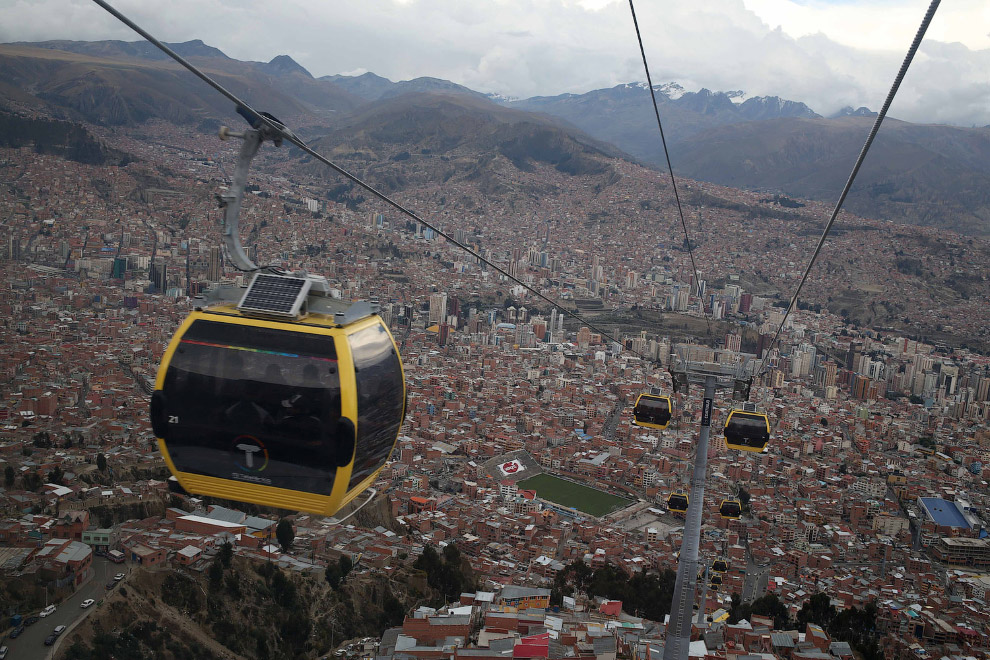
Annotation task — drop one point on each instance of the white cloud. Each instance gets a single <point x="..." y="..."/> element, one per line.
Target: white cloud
<point x="826" y="54"/>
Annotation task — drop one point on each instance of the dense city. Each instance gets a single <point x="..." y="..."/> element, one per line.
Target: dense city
<point x="870" y="495"/>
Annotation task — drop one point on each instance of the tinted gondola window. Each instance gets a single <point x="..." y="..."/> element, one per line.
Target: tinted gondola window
<point x="746" y="429"/>
<point x="380" y="399"/>
<point x="252" y="404"/>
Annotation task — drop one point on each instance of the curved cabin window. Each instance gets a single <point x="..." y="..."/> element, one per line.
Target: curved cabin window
<point x="253" y="404"/>
<point x="379" y="399"/>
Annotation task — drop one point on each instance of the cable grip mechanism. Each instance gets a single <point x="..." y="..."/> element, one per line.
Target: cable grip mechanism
<point x="230" y="202"/>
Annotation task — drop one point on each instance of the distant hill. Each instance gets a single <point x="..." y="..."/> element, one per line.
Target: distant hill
<point x="372" y="87"/>
<point x="929" y="175"/>
<point x="138" y="49"/>
<point x="623" y="115"/>
<point x="916" y="174"/>
<point x="457" y="135"/>
<point x="117" y="83"/>
<point x="61" y="138"/>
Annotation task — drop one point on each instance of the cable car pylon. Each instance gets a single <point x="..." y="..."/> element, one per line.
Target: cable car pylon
<point x="712" y="375"/>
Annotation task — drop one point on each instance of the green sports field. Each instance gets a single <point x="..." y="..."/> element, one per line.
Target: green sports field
<point x="568" y="493"/>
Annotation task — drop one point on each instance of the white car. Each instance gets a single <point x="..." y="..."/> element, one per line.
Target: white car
<point x="86" y="603"/>
<point x="48" y="610"/>
<point x="58" y="630"/>
<point x="118" y="577"/>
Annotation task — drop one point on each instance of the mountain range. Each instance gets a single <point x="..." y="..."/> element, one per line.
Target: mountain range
<point x="918" y="174"/>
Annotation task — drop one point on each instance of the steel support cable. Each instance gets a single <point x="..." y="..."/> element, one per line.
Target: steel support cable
<point x="670" y="169"/>
<point x="925" y="22"/>
<point x="289" y="136"/>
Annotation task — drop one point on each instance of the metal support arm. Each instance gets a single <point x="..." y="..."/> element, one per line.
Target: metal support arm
<point x="232" y="200"/>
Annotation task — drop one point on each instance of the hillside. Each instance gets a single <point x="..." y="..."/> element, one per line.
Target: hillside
<point x="418" y="139"/>
<point x="110" y="84"/>
<point x="916" y="174"/>
<point x="926" y="175"/>
<point x="623" y="115"/>
<point x="254" y="609"/>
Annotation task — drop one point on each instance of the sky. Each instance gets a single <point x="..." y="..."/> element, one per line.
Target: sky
<point x="827" y="54"/>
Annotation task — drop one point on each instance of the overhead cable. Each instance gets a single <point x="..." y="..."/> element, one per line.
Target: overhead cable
<point x="855" y="170"/>
<point x="670" y="169"/>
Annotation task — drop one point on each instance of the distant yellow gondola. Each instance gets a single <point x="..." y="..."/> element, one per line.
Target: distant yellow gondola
<point x="652" y="411"/>
<point x="720" y="566"/>
<point x="730" y="509"/>
<point x="677" y="502"/>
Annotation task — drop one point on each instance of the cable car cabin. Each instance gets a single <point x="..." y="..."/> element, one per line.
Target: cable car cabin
<point x="720" y="566"/>
<point x="747" y="431"/>
<point x="292" y="414"/>
<point x="652" y="411"/>
<point x="715" y="579"/>
<point x="730" y="509"/>
<point x="677" y="502"/>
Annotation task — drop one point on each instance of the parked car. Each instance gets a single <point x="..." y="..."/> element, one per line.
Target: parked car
<point x="30" y="621"/>
<point x="111" y="584"/>
<point x="16" y="632"/>
<point x="50" y="640"/>
<point x="3" y="652"/>
<point x="118" y="577"/>
<point x="48" y="610"/>
<point x="86" y="603"/>
<point x="58" y="630"/>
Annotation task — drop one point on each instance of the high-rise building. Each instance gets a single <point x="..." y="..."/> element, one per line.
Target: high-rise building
<point x="438" y="307"/>
<point x="733" y="342"/>
<point x="215" y="270"/>
<point x="159" y="277"/>
<point x="13" y="247"/>
<point x="119" y="268"/>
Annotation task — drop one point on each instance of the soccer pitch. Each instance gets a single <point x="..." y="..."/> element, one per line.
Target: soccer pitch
<point x="568" y="493"/>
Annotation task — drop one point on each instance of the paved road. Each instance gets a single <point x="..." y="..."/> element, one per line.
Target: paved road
<point x="31" y="643"/>
<point x="755" y="582"/>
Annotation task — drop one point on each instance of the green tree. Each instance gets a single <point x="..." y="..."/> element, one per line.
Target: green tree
<point x="56" y="476"/>
<point x="744" y="498"/>
<point x="332" y="575"/>
<point x="771" y="606"/>
<point x="216" y="576"/>
<point x="101" y="462"/>
<point x="226" y="554"/>
<point x="818" y="610"/>
<point x="285" y="534"/>
<point x="8" y="476"/>
<point x="345" y="565"/>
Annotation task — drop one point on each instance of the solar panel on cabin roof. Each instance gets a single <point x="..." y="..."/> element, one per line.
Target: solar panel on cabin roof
<point x="275" y="294"/>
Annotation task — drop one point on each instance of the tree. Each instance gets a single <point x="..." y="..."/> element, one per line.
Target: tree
<point x="771" y="606"/>
<point x="101" y="462"/>
<point x="226" y="554"/>
<point x="744" y="497"/>
<point x="332" y="575"/>
<point x="345" y="565"/>
<point x="818" y="610"/>
<point x="216" y="576"/>
<point x="285" y="534"/>
<point x="8" y="476"/>
<point x="56" y="476"/>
